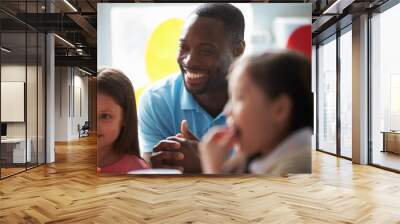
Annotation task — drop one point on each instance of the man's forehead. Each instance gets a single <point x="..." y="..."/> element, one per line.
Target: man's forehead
<point x="202" y="21"/>
<point x="203" y="27"/>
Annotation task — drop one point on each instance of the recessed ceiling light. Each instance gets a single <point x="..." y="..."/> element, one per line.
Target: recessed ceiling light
<point x="337" y="7"/>
<point x="70" y="5"/>
<point x="86" y="72"/>
<point x="5" y="50"/>
<point x="64" y="40"/>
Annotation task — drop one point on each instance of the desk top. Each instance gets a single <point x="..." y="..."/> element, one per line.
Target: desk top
<point x="13" y="140"/>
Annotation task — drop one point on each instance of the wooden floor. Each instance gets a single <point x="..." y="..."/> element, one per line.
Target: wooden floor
<point x="387" y="159"/>
<point x="5" y="172"/>
<point x="70" y="192"/>
<point x="10" y="171"/>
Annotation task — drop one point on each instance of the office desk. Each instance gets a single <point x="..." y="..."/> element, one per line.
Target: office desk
<point x="13" y="150"/>
<point x="391" y="141"/>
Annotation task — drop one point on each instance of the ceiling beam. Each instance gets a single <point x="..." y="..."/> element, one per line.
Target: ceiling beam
<point x="81" y="61"/>
<point x="84" y="24"/>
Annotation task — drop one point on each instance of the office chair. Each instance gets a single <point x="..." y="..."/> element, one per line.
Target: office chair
<point x="84" y="130"/>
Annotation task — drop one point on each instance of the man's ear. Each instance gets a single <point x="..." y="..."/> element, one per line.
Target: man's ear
<point x="239" y="48"/>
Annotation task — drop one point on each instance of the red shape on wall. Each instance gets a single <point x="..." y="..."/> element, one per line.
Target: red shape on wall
<point x="300" y="40"/>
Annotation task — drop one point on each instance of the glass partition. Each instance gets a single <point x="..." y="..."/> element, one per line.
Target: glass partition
<point x="22" y="88"/>
<point x="41" y="109"/>
<point x="346" y="93"/>
<point x="385" y="89"/>
<point x="327" y="96"/>
<point x="32" y="96"/>
<point x="14" y="154"/>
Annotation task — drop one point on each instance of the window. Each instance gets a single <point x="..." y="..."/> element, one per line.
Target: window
<point x="346" y="93"/>
<point x="327" y="96"/>
<point x="385" y="89"/>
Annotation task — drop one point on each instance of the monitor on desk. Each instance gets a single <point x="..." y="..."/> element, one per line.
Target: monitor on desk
<point x="3" y="130"/>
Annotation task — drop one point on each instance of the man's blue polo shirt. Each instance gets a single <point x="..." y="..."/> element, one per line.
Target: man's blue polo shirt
<point x="163" y="107"/>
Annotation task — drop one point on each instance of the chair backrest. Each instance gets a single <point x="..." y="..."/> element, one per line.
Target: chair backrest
<point x="86" y="125"/>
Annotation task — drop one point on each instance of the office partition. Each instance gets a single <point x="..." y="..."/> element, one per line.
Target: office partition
<point x="22" y="77"/>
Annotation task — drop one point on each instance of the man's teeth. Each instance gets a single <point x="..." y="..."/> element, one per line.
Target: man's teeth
<point x="195" y="75"/>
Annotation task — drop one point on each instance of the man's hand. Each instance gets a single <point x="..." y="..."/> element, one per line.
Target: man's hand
<point x="185" y="132"/>
<point x="189" y="148"/>
<point x="166" y="155"/>
<point x="178" y="152"/>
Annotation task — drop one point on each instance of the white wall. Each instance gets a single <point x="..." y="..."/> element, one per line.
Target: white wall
<point x="33" y="126"/>
<point x="16" y="73"/>
<point x="10" y="73"/>
<point x="125" y="49"/>
<point x="61" y="103"/>
<point x="71" y="93"/>
<point x="81" y="102"/>
<point x="263" y="34"/>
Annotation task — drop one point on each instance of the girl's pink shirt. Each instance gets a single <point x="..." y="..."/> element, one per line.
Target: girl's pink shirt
<point x="126" y="164"/>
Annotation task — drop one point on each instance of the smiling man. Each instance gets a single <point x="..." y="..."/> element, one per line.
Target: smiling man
<point x="212" y="38"/>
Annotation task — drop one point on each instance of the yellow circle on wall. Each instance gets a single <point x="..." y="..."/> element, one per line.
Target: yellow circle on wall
<point x="161" y="52"/>
<point x="162" y="49"/>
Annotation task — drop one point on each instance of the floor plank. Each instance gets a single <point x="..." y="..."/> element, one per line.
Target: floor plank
<point x="69" y="191"/>
<point x="387" y="159"/>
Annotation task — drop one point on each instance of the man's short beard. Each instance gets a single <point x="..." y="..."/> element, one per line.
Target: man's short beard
<point x="208" y="87"/>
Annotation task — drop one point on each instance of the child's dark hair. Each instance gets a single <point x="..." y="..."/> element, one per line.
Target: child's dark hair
<point x="285" y="72"/>
<point x="115" y="84"/>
